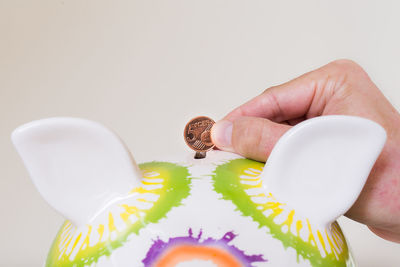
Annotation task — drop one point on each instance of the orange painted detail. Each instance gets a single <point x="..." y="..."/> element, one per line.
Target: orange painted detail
<point x="184" y="253"/>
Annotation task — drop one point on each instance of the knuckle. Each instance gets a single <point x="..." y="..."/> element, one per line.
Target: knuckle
<point x="347" y="66"/>
<point x="343" y="75"/>
<point x="345" y="62"/>
<point x="267" y="90"/>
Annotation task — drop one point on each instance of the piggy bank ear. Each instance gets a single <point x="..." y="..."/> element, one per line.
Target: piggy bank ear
<point x="319" y="167"/>
<point x="78" y="166"/>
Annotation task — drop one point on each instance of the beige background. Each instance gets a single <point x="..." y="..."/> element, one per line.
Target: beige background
<point x="144" y="68"/>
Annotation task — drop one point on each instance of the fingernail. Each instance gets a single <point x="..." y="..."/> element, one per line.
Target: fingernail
<point x="221" y="135"/>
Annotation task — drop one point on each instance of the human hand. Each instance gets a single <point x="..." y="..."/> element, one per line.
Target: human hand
<point x="339" y="88"/>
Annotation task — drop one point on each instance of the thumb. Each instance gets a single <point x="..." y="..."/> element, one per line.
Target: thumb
<point x="250" y="137"/>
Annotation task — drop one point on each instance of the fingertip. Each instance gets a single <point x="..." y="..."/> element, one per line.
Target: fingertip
<point x="221" y="135"/>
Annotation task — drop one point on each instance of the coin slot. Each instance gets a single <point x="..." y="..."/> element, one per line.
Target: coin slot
<point x="200" y="155"/>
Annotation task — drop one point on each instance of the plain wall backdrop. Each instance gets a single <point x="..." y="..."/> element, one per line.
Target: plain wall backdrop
<point x="144" y="68"/>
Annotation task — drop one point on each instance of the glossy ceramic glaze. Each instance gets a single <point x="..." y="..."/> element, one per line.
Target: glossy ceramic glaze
<point x="223" y="210"/>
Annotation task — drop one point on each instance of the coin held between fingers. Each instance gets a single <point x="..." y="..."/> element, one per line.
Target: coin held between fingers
<point x="197" y="135"/>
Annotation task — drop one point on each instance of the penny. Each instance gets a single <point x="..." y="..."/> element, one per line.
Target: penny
<point x="197" y="134"/>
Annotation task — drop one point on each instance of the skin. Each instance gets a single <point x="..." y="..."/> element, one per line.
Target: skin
<point x="341" y="87"/>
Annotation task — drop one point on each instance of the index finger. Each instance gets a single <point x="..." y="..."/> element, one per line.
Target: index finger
<point x="288" y="101"/>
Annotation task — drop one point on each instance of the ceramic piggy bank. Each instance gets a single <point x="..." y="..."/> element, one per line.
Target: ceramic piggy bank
<point x="223" y="210"/>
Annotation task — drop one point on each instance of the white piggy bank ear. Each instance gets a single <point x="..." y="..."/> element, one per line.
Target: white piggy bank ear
<point x="78" y="166"/>
<point x="319" y="167"/>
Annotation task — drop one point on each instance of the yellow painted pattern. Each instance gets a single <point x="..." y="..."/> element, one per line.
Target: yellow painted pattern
<point x="328" y="241"/>
<point x="71" y="236"/>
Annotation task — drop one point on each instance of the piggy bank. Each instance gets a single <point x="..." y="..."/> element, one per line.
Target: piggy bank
<point x="223" y="210"/>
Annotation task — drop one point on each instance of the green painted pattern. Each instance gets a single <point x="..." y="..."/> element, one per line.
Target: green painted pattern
<point x="176" y="187"/>
<point x="227" y="182"/>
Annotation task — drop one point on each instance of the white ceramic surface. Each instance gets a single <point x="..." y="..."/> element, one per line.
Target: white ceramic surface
<point x="76" y="163"/>
<point x="321" y="159"/>
<point x="222" y="210"/>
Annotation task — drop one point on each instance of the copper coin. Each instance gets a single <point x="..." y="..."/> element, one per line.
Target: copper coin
<point x="198" y="134"/>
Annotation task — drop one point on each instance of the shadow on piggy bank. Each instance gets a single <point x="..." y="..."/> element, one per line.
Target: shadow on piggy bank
<point x="223" y="210"/>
